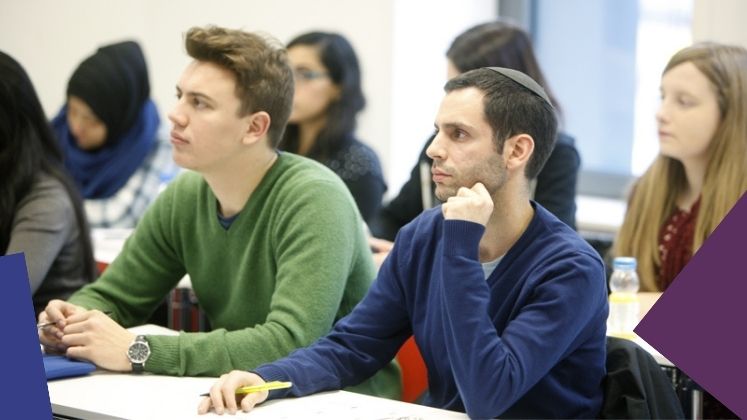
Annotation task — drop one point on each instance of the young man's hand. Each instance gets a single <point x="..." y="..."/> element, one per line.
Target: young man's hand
<point x="472" y="204"/>
<point x="223" y="393"/>
<point x="93" y="336"/>
<point x="52" y="320"/>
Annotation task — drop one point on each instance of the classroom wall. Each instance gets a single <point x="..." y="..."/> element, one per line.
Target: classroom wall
<point x="720" y="20"/>
<point x="401" y="46"/>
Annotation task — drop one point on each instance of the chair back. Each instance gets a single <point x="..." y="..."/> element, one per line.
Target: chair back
<point x="414" y="372"/>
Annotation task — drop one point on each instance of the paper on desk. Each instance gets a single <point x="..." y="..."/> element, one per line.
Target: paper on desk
<point x="347" y="405"/>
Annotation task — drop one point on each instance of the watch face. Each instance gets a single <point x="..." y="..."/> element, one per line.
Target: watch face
<point x="138" y="352"/>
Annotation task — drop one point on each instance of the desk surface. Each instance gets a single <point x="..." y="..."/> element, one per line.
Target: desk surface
<point x="108" y="395"/>
<point x="105" y="395"/>
<point x="647" y="300"/>
<point x="599" y="214"/>
<point x="107" y="243"/>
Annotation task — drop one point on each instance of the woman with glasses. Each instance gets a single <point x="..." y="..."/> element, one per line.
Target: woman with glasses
<point x="327" y="99"/>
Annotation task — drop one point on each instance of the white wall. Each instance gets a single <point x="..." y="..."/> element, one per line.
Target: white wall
<point x="423" y="31"/>
<point x="400" y="43"/>
<point x="51" y="37"/>
<point x="720" y="20"/>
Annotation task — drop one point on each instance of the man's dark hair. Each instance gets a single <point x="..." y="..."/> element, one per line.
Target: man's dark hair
<point x="512" y="109"/>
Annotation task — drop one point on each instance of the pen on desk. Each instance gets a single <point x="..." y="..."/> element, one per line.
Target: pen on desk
<point x="46" y="324"/>
<point x="259" y="388"/>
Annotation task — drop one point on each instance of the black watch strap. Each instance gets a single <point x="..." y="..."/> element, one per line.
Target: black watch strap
<point x="138" y="367"/>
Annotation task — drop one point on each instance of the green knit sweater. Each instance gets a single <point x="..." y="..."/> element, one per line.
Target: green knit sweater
<point x="293" y="262"/>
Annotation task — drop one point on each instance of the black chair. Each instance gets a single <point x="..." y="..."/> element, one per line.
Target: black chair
<point x="635" y="386"/>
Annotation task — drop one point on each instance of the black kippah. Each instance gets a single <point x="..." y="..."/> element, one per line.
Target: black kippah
<point x="523" y="80"/>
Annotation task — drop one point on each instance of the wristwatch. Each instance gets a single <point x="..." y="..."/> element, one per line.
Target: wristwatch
<point x="138" y="353"/>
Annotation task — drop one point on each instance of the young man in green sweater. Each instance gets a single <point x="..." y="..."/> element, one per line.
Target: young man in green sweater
<point x="272" y="242"/>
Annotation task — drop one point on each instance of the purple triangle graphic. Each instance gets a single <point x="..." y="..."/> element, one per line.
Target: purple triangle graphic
<point x="699" y="322"/>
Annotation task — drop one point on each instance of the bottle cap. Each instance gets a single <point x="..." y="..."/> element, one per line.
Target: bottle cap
<point x="624" y="263"/>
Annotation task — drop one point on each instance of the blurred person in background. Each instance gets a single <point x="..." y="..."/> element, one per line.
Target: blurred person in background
<point x="699" y="174"/>
<point x="493" y="44"/>
<point x="111" y="136"/>
<point x="41" y="212"/>
<point x="327" y="100"/>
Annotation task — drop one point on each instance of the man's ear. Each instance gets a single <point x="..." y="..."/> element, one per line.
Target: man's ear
<point x="517" y="151"/>
<point x="259" y="125"/>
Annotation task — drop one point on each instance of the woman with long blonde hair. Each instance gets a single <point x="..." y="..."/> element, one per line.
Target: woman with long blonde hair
<point x="701" y="170"/>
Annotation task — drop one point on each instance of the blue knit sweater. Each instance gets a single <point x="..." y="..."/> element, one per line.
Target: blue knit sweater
<point x="527" y="342"/>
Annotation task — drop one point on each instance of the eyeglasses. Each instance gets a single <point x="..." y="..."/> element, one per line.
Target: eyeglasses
<point x="306" y="75"/>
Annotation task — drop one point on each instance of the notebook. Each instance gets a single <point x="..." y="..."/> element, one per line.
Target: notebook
<point x="56" y="366"/>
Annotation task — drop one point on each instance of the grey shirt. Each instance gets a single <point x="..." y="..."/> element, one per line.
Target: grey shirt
<point x="45" y="229"/>
<point x="490" y="266"/>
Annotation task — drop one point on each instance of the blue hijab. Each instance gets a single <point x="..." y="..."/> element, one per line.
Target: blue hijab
<point x="103" y="172"/>
<point x="113" y="82"/>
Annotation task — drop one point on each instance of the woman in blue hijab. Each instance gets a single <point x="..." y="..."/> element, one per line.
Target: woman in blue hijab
<point x="109" y="131"/>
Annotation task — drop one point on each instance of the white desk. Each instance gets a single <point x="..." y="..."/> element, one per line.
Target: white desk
<point x="107" y="243"/>
<point x="599" y="215"/>
<point x="647" y="300"/>
<point x="104" y="395"/>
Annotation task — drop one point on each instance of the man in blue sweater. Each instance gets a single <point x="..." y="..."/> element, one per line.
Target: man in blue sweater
<point x="507" y="304"/>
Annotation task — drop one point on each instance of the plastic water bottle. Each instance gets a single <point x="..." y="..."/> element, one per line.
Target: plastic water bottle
<point x="624" y="304"/>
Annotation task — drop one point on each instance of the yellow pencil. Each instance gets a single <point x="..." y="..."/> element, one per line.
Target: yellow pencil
<point x="259" y="388"/>
<point x="264" y="387"/>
